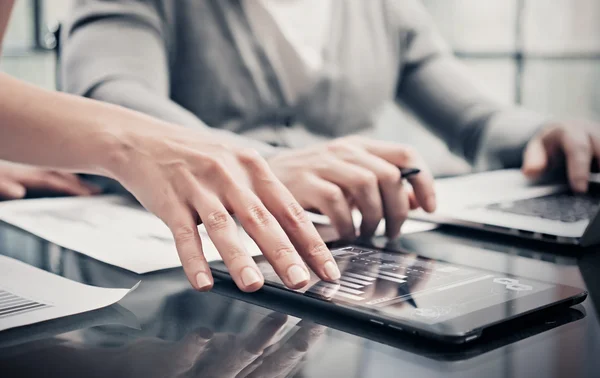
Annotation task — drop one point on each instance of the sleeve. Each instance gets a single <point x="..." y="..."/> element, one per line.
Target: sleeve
<point x="439" y="90"/>
<point x="118" y="52"/>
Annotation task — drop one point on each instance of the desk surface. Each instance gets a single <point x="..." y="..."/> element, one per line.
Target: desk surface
<point x="164" y="329"/>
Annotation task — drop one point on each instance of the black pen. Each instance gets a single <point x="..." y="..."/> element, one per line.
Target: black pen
<point x="409" y="172"/>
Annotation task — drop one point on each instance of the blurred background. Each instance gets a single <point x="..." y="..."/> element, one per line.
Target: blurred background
<point x="543" y="54"/>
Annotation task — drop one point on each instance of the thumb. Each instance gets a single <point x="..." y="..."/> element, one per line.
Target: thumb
<point x="535" y="159"/>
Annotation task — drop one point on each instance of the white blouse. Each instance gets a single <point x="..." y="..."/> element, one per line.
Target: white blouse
<point x="294" y="34"/>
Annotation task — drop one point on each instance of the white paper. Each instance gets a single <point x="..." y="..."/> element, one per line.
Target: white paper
<point x="110" y="229"/>
<point x="486" y="187"/>
<point x="409" y="227"/>
<point x="30" y="295"/>
<point x="116" y="231"/>
<point x="456" y="194"/>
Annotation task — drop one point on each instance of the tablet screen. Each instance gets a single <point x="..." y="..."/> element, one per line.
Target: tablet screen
<point x="409" y="287"/>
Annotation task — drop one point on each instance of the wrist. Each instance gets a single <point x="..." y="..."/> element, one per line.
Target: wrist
<point x="113" y="150"/>
<point x="122" y="141"/>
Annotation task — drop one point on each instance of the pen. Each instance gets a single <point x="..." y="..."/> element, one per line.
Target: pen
<point x="408" y="172"/>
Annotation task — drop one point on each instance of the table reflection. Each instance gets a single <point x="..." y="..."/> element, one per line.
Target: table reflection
<point x="264" y="351"/>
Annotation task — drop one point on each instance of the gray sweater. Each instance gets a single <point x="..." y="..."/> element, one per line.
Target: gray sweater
<point x="197" y="63"/>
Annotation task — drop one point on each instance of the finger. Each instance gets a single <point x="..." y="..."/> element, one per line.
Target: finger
<point x="414" y="203"/>
<point x="595" y="142"/>
<point x="395" y="208"/>
<point x="223" y="232"/>
<point x="189" y="247"/>
<point x="578" y="152"/>
<point x="407" y="157"/>
<point x="76" y="180"/>
<point x="330" y="200"/>
<point x="535" y="159"/>
<point x="402" y="213"/>
<point x="264" y="229"/>
<point x="11" y="190"/>
<point x="363" y="187"/>
<point x="294" y="220"/>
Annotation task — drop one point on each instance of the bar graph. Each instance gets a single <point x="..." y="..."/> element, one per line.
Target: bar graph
<point x="360" y="276"/>
<point x="398" y="278"/>
<point x="349" y="296"/>
<point x="12" y="304"/>
<point x="350" y="284"/>
<point x="350" y="291"/>
<point x="355" y="280"/>
<point x="353" y="284"/>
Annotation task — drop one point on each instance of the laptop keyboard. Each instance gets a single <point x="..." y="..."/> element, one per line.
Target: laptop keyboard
<point x="564" y="207"/>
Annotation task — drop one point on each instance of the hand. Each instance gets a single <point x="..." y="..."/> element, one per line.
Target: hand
<point x="16" y="180"/>
<point x="186" y="177"/>
<point x="353" y="170"/>
<point x="578" y="143"/>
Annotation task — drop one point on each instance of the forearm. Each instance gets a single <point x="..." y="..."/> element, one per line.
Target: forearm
<point x="134" y="95"/>
<point x="503" y="138"/>
<point x="445" y="96"/>
<point x="62" y="131"/>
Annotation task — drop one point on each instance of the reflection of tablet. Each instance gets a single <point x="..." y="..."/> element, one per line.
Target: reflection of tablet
<point x="451" y="303"/>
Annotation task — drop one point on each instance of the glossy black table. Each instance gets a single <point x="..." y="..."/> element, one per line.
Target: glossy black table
<point x="165" y="329"/>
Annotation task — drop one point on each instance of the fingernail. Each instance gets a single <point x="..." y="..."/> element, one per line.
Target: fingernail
<point x="297" y="275"/>
<point x="431" y="203"/>
<point x="17" y="192"/>
<point x="203" y="280"/>
<point x="250" y="277"/>
<point x="331" y="270"/>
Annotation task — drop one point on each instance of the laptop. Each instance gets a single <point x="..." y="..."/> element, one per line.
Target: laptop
<point x="506" y="202"/>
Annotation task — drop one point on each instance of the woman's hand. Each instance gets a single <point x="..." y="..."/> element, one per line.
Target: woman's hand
<point x="186" y="177"/>
<point x="16" y="180"/>
<point x="356" y="171"/>
<point x="575" y="144"/>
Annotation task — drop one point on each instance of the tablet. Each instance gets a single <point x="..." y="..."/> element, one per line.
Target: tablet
<point x="405" y="292"/>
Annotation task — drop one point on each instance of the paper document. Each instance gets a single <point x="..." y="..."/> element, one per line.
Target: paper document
<point x="111" y="229"/>
<point x="30" y="295"/>
<point x="486" y="187"/>
<point x="409" y="227"/>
